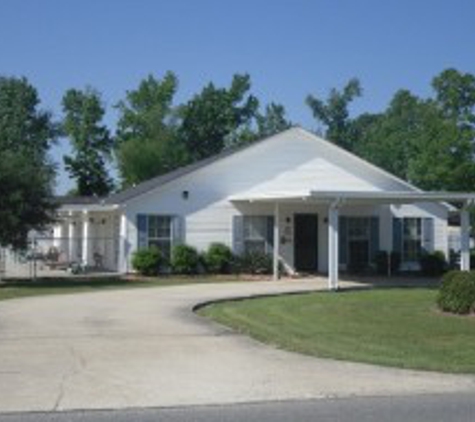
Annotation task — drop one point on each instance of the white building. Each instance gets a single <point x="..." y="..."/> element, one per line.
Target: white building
<point x="315" y="206"/>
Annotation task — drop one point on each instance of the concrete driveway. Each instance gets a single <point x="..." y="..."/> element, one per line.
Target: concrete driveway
<point x="144" y="347"/>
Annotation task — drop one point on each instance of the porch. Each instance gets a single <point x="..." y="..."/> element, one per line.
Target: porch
<point x="82" y="241"/>
<point x="318" y="243"/>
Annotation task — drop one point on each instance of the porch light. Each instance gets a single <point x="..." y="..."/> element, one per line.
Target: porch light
<point x="185" y="194"/>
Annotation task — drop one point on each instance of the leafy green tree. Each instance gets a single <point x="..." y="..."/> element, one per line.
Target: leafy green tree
<point x="273" y="120"/>
<point x="26" y="174"/>
<point x="334" y="114"/>
<point x="387" y="139"/>
<point x="455" y="93"/>
<point x="416" y="140"/>
<point x="23" y="127"/>
<point x="214" y="118"/>
<point x="147" y="141"/>
<point x="91" y="142"/>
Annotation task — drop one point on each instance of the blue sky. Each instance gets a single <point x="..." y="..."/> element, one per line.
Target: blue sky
<point x="290" y="47"/>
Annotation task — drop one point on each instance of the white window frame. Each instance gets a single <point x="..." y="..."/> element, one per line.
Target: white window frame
<point x="252" y="234"/>
<point x="417" y="239"/>
<point x="160" y="240"/>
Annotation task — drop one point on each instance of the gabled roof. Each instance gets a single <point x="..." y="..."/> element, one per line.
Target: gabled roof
<point x="159" y="181"/>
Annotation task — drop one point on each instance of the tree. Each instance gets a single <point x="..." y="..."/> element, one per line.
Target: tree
<point x="333" y="113"/>
<point x="455" y="93"/>
<point x="26" y="174"/>
<point x="212" y="119"/>
<point x="272" y="121"/>
<point x="147" y="141"/>
<point x="91" y="142"/>
<point x="387" y="139"/>
<point x="23" y="128"/>
<point x="26" y="198"/>
<point x="416" y="140"/>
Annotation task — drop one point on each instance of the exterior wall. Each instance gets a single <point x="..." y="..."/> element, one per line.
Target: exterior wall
<point x="213" y="222"/>
<point x="294" y="161"/>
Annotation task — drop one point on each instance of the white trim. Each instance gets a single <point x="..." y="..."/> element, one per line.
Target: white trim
<point x="465" y="240"/>
<point x="68" y="208"/>
<point x="384" y="197"/>
<point x="275" y="257"/>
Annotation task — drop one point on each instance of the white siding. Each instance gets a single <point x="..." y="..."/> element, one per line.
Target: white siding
<point x="292" y="161"/>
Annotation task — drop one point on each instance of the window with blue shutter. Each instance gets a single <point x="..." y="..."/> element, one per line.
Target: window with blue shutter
<point x="161" y="231"/>
<point x="253" y="233"/>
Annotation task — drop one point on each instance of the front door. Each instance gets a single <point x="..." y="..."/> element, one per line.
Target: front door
<point x="306" y="242"/>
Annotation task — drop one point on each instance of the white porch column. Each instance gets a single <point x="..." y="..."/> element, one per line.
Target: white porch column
<point x="72" y="253"/>
<point x="85" y="238"/>
<point x="58" y="235"/>
<point x="275" y="261"/>
<point x="465" y="240"/>
<point x="122" y="265"/>
<point x="333" y="230"/>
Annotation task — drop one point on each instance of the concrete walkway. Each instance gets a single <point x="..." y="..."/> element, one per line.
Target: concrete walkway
<point x="144" y="347"/>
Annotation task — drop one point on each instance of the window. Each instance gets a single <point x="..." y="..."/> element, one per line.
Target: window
<point x="258" y="232"/>
<point x="411" y="239"/>
<point x="358" y="228"/>
<point x="159" y="231"/>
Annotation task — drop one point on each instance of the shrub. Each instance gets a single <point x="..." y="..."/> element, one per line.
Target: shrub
<point x="147" y="261"/>
<point x="218" y="259"/>
<point x="381" y="262"/>
<point x="253" y="263"/>
<point x="185" y="260"/>
<point x="457" y="292"/>
<point x="433" y="264"/>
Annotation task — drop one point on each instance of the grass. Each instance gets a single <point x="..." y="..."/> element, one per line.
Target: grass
<point x="391" y="327"/>
<point x="50" y="286"/>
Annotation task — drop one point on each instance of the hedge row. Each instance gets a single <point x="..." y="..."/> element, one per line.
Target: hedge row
<point x="218" y="259"/>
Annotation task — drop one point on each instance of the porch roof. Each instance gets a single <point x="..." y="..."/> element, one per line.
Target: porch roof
<point x="358" y="197"/>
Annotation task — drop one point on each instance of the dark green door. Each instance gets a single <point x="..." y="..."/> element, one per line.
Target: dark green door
<point x="306" y="242"/>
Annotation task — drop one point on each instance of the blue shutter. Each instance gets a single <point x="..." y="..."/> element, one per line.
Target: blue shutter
<point x="343" y="241"/>
<point x="397" y="235"/>
<point x="178" y="230"/>
<point x="374" y="238"/>
<point x="238" y="234"/>
<point x="270" y="233"/>
<point x="428" y="234"/>
<point x="142" y="229"/>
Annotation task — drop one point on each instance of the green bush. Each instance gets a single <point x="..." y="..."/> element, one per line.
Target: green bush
<point x="185" y="260"/>
<point x="147" y="261"/>
<point x="253" y="263"/>
<point x="381" y="262"/>
<point x="433" y="264"/>
<point x="457" y="292"/>
<point x="218" y="259"/>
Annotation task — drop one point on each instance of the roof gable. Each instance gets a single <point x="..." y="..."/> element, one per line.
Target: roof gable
<point x="290" y="159"/>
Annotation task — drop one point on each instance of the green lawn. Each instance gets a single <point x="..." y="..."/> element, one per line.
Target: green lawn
<point x="393" y="327"/>
<point x="16" y="289"/>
